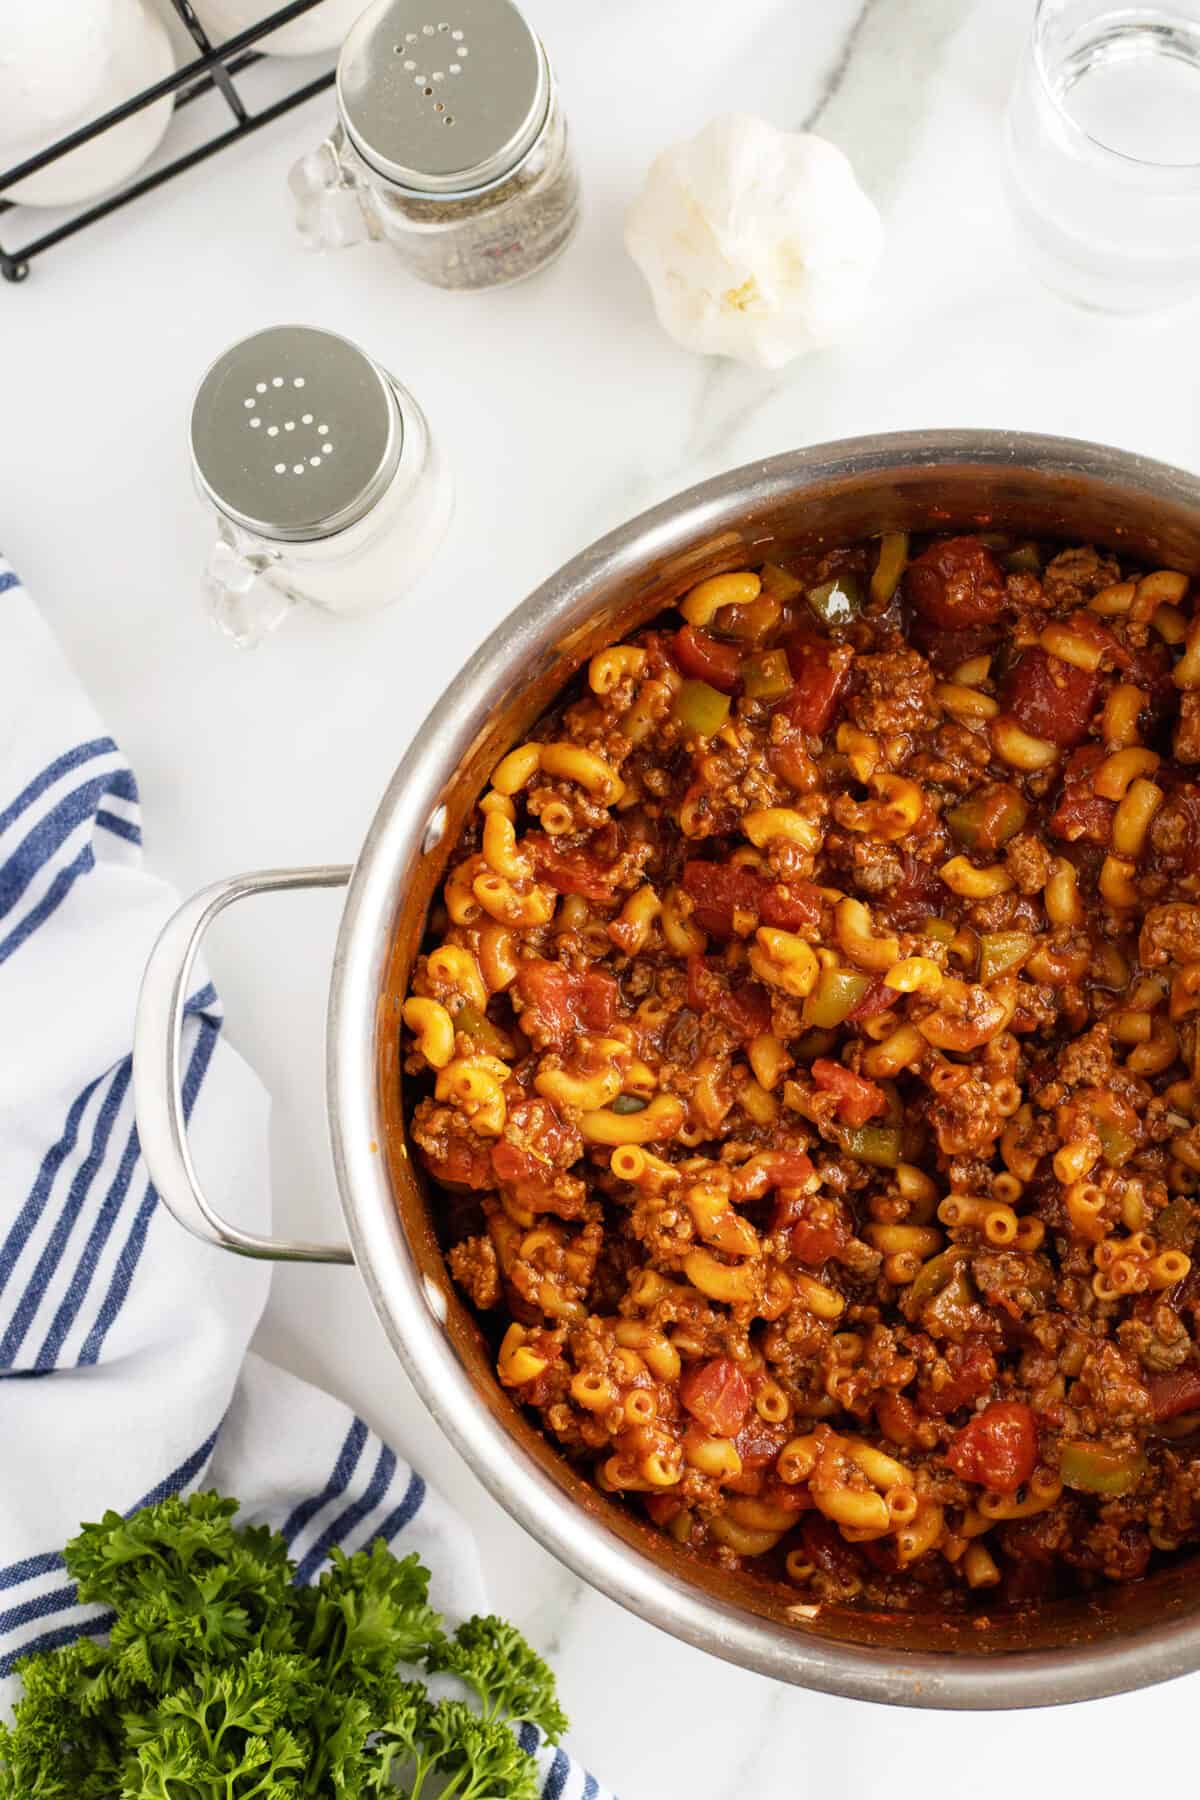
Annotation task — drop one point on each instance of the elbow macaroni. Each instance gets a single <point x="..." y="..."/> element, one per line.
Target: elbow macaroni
<point x="747" y="1037"/>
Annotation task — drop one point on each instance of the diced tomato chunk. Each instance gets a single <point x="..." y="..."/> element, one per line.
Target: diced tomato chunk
<point x="791" y="905"/>
<point x="560" y="1001"/>
<point x="717" y="1394"/>
<point x="955" y="584"/>
<point x="663" y="1508"/>
<point x="919" y="894"/>
<point x="536" y="1142"/>
<point x="972" y="1367"/>
<point x="570" y="871"/>
<point x="718" y="890"/>
<point x="947" y="650"/>
<point x="758" y="1443"/>
<point x="597" y="1003"/>
<point x="998" y="1448"/>
<point x="1080" y="814"/>
<point x="1049" y="698"/>
<point x="879" y="998"/>
<point x="745" y="1009"/>
<point x="785" y="1168"/>
<point x="466" y="1163"/>
<point x="858" y="1098"/>
<point x="1176" y="1391"/>
<point x="827" y="1548"/>
<point x="707" y="659"/>
<point x="817" y="1225"/>
<point x="1149" y="668"/>
<point x="813" y="1245"/>
<point x="821" y="671"/>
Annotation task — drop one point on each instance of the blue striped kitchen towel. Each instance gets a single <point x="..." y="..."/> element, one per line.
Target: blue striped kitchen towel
<point x="139" y="1332"/>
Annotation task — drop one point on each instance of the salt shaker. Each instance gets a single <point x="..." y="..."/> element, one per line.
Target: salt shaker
<point x="450" y="145"/>
<point x="326" y="483"/>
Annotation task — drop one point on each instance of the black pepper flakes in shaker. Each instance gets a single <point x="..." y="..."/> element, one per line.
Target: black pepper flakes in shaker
<point x="450" y="145"/>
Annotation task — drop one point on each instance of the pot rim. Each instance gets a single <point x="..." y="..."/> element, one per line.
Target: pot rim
<point x="411" y="1310"/>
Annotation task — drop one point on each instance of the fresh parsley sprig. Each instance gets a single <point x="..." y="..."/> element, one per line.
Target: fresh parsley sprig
<point x="221" y="1680"/>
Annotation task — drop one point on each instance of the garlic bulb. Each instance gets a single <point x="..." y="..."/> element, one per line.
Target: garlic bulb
<point x="756" y="243"/>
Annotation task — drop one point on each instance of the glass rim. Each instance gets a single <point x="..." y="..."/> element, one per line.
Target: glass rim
<point x="1137" y="162"/>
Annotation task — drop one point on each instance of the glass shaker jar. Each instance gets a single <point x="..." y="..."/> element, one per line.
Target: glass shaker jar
<point x="450" y="145"/>
<point x="325" y="481"/>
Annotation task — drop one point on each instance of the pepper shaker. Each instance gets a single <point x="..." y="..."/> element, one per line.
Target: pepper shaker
<point x="450" y="145"/>
<point x="326" y="483"/>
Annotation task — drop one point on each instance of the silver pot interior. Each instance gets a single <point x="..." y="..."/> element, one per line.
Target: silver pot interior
<point x="1047" y="488"/>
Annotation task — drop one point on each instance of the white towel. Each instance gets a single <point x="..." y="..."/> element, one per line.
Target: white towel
<point x="124" y="1373"/>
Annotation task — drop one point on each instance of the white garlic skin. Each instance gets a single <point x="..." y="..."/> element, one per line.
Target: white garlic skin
<point x="757" y="244"/>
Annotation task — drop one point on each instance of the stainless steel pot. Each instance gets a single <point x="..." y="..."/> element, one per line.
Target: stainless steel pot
<point x="1045" y="487"/>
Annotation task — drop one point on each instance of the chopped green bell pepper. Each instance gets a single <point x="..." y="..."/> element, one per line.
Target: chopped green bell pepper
<point x="837" y="602"/>
<point x="893" y="555"/>
<point x="995" y="817"/>
<point x="701" y="708"/>
<point x="1175" y="1225"/>
<point x="767" y="677"/>
<point x="477" y="1025"/>
<point x="878" y="1145"/>
<point x="1000" y="951"/>
<point x="778" y="584"/>
<point x="1116" y="1145"/>
<point x="837" y="993"/>
<point x="1099" y="1469"/>
<point x="934" y="1275"/>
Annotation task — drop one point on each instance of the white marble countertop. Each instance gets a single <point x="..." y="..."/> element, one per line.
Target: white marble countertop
<point x="564" y="410"/>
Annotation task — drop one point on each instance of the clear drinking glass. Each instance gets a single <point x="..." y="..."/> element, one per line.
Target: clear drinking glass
<point x="1103" y="152"/>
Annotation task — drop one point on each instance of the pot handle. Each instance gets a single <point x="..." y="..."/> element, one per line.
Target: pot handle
<point x="158" y="1073"/>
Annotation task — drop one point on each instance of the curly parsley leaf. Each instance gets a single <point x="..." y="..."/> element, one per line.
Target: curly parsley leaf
<point x="369" y="1612"/>
<point x="509" y="1677"/>
<point x="477" y="1759"/>
<point x="221" y="1680"/>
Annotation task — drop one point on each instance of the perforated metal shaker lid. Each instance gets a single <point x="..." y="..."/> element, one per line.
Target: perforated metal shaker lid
<point x="295" y="433"/>
<point x="443" y="102"/>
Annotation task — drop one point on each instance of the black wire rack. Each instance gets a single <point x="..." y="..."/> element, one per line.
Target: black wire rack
<point x="215" y="67"/>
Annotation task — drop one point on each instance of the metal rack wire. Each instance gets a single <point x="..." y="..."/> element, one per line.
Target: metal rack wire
<point x="214" y="67"/>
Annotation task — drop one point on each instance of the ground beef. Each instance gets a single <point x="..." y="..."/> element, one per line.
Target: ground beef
<point x="1028" y="862"/>
<point x="1170" y="934"/>
<point x="891" y="692"/>
<point x="1075" y="575"/>
<point x="748" y="1200"/>
<point x="474" y="1266"/>
<point x="1186" y="742"/>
